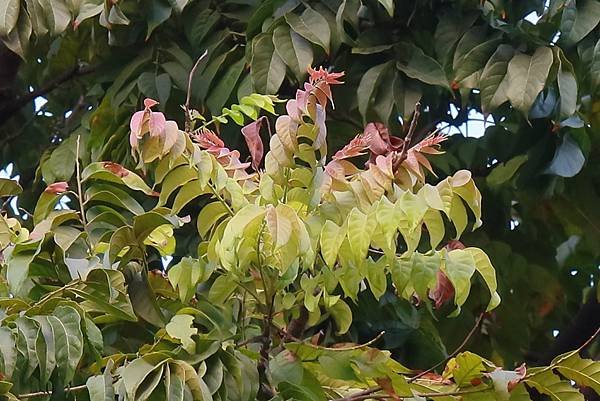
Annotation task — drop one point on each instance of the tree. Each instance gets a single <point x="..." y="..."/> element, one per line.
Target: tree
<point x="535" y="166"/>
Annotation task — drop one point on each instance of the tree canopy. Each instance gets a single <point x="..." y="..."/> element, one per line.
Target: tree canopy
<point x="346" y="231"/>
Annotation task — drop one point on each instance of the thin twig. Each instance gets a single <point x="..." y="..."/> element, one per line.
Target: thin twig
<point x="368" y="394"/>
<point x="285" y="334"/>
<point x="453" y="354"/>
<point x="188" y="116"/>
<point x="411" y="128"/>
<point x="79" y="191"/>
<point x="49" y="392"/>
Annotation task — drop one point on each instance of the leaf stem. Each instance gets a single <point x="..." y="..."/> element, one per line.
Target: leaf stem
<point x="188" y="116"/>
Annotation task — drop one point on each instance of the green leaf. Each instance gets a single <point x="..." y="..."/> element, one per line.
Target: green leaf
<point x="28" y="329"/>
<point x="474" y="59"/>
<point x="360" y="230"/>
<point x="567" y="86"/>
<point x="423" y="273"/>
<point x="342" y="315"/>
<point x="376" y="276"/>
<point x="418" y="65"/>
<point x="184" y="276"/>
<point x="568" y="159"/>
<point x="222" y="91"/>
<point x="366" y="89"/>
<point x="9" y="15"/>
<point x="113" y="172"/>
<point x="9" y="187"/>
<point x="45" y="347"/>
<point x="157" y="12"/>
<point x="175" y="179"/>
<point x="66" y="326"/>
<point x="57" y="15"/>
<point x="104" y="292"/>
<point x="459" y="267"/>
<point x="312" y="26"/>
<point x="493" y="82"/>
<point x="18" y="39"/>
<point x="503" y="172"/>
<point x="100" y="387"/>
<point x="181" y="328"/>
<point x="143" y="298"/>
<point x="163" y="87"/>
<point x="8" y="351"/>
<point x="136" y="373"/>
<point x="551" y="385"/>
<point x="221" y="289"/>
<point x="467" y="366"/>
<point x="146" y="83"/>
<point x="268" y="69"/>
<point x="330" y="240"/>
<point x="209" y="216"/>
<point x="526" y="76"/>
<point x="586" y="18"/>
<point x="186" y="194"/>
<point x="294" y="50"/>
<point x="585" y="372"/>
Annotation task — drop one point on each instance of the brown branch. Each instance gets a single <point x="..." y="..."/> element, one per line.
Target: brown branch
<point x="399" y="159"/>
<point x="23" y="100"/>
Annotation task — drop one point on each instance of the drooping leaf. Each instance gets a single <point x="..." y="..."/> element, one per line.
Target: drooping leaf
<point x="493" y="82"/>
<point x="568" y="158"/>
<point x="312" y="26"/>
<point x="416" y="64"/>
<point x="526" y="76"/>
<point x="268" y="69"/>
<point x="180" y="327"/>
<point x="294" y="50"/>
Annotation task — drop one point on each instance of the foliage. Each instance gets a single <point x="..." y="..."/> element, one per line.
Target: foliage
<point x="536" y="165"/>
<point x="283" y="253"/>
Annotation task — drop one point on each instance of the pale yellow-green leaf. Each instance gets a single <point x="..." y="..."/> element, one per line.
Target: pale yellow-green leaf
<point x="180" y="327"/>
<point x="360" y="230"/>
<point x="435" y="227"/>
<point x="485" y="268"/>
<point x="342" y="315"/>
<point x="585" y="372"/>
<point x="458" y="216"/>
<point x="331" y="239"/>
<point x="459" y="267"/>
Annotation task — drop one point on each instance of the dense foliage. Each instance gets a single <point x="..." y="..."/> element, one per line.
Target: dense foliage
<point x="282" y="251"/>
<point x="95" y="61"/>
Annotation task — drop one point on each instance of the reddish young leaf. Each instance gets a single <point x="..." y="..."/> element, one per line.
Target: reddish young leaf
<point x="443" y="291"/>
<point x="251" y="133"/>
<point x="116" y="169"/>
<point x="57" y="188"/>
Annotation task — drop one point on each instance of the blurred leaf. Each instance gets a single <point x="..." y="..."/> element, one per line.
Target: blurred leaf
<point x="568" y="159"/>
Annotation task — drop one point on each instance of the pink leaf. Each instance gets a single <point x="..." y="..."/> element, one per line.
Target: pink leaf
<point x="251" y="133"/>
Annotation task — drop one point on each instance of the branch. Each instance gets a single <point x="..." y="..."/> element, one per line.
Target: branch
<point x="368" y="394"/>
<point x="361" y="395"/>
<point x="453" y="354"/>
<point x="23" y="100"/>
<point x="188" y="117"/>
<point x="49" y="392"/>
<point x="408" y="138"/>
